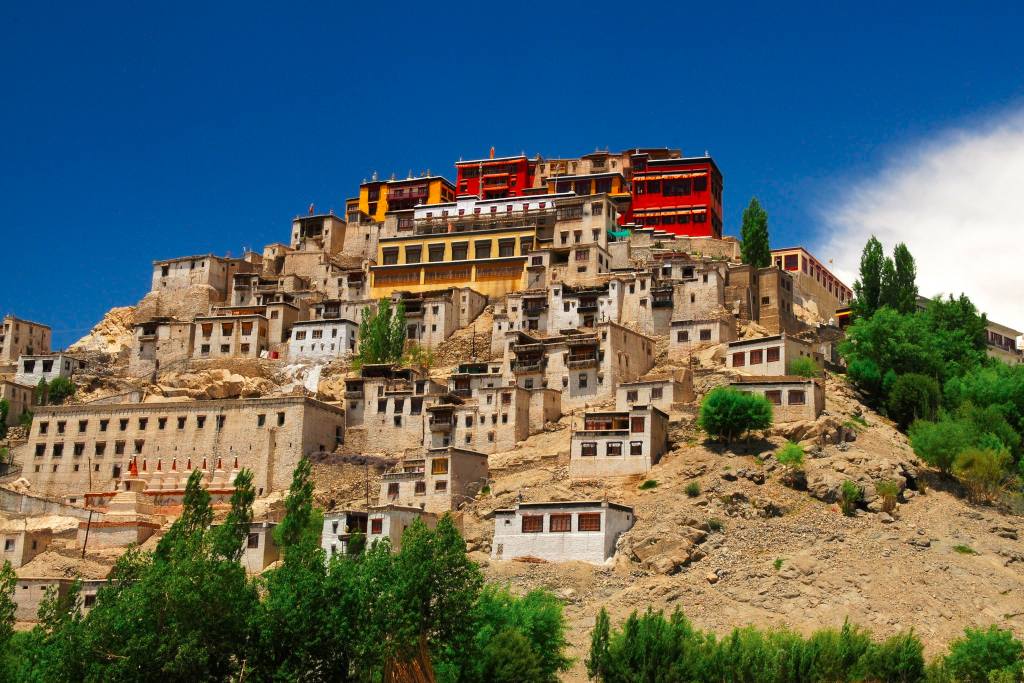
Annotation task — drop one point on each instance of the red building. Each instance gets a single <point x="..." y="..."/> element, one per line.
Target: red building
<point x="681" y="195"/>
<point x="495" y="178"/>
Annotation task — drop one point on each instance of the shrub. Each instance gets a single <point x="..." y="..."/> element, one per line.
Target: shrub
<point x="979" y="652"/>
<point x="25" y="420"/>
<point x="899" y="658"/>
<point x="804" y="366"/>
<point x="777" y="563"/>
<point x="59" y="390"/>
<point x="850" y="494"/>
<point x="913" y="397"/>
<point x="417" y="355"/>
<point x="791" y="455"/>
<point x="889" y="491"/>
<point x="983" y="472"/>
<point x="727" y="413"/>
<point x="649" y="484"/>
<point x="5" y="408"/>
<point x="964" y="549"/>
<point x="716" y="524"/>
<point x="693" y="489"/>
<point x="939" y="443"/>
<point x="382" y="333"/>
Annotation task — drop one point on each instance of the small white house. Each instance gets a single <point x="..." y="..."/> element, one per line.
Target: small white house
<point x="585" y="531"/>
<point x="322" y="338"/>
<point x="391" y="521"/>
<point x="339" y="525"/>
<point x="49" y="366"/>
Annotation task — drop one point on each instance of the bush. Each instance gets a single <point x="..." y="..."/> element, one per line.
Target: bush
<point x="727" y="413"/>
<point x="5" y="408"/>
<point x="939" y="443"/>
<point x="850" y="494"/>
<point x="59" y="390"/>
<point x="900" y="658"/>
<point x="25" y="420"/>
<point x="693" y="489"/>
<point x="888" y="490"/>
<point x="804" y="366"/>
<point x="983" y="472"/>
<point x="648" y="484"/>
<point x="791" y="455"/>
<point x="913" y="397"/>
<point x="979" y="652"/>
<point x="716" y="524"/>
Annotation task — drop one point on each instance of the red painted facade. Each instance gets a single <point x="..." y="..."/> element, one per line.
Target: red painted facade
<point x="495" y="178"/>
<point x="681" y="196"/>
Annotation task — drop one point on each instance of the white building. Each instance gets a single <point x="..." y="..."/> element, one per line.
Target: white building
<point x="585" y="531"/>
<point x="391" y="521"/>
<point x="660" y="392"/>
<point x="322" y="338"/>
<point x="769" y="356"/>
<point x="49" y="366"/>
<point x="339" y="526"/>
<point x="618" y="443"/>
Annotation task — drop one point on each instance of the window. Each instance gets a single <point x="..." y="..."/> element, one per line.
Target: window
<point x="739" y="359"/>
<point x="506" y="248"/>
<point x="100" y="447"/>
<point x="631" y="396"/>
<point x="393" y="490"/>
<point x="253" y="541"/>
<point x="440" y="486"/>
<point x="772" y="354"/>
<point x="588" y="449"/>
<point x="161" y="423"/>
<point x="756" y="357"/>
<point x="143" y="421"/>
<point x="482" y="248"/>
<point x="82" y="426"/>
<point x="682" y="336"/>
<point x="119" y="448"/>
<point x="460" y="251"/>
<point x="435" y="253"/>
<point x="8" y="544"/>
<point x="421" y="488"/>
<point x="582" y="254"/>
<point x="705" y="335"/>
<point x="44" y="427"/>
<point x="219" y="420"/>
<point x="765" y="300"/>
<point x="58" y="450"/>
<point x="560" y="523"/>
<point x="588" y="521"/>
<point x="533" y="524"/>
<point x="139" y="443"/>
<point x="797" y="397"/>
<point x="280" y="419"/>
<point x="397" y="420"/>
<point x="390" y="256"/>
<point x="413" y="253"/>
<point x="181" y="422"/>
<point x="377" y="526"/>
<point x="636" y="424"/>
<point x="61" y="425"/>
<point x="613" y="448"/>
<point x="40" y="449"/>
<point x="774" y="396"/>
<point x="636" y="447"/>
<point x="123" y="424"/>
<point x="79" y="448"/>
<point x="583" y="380"/>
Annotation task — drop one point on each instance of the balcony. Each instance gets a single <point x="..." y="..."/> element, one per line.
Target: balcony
<point x="524" y="348"/>
<point x="587" y="307"/>
<point x="585" y="433"/>
<point x="581" y="340"/>
<point x="581" y="363"/>
<point x="527" y="366"/>
<point x="353" y="393"/>
<point x="440" y="425"/>
<point x="402" y="476"/>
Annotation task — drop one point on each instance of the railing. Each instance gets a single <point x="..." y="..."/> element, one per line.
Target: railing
<point x="402" y="476"/>
<point x="581" y="340"/>
<point x="527" y="367"/>
<point x="440" y="425"/>
<point x="601" y="432"/>
<point x="354" y="393"/>
<point x="579" y="364"/>
<point x="588" y="307"/>
<point x="532" y="346"/>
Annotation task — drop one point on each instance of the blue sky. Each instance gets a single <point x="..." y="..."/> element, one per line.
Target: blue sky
<point x="134" y="132"/>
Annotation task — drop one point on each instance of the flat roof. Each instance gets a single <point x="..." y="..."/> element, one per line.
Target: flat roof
<point x="566" y="504"/>
<point x="324" y="320"/>
<point x="634" y="409"/>
<point x="23" y="320"/>
<point x="776" y="379"/>
<point x="171" y="406"/>
<point x="756" y="340"/>
<point x="491" y="160"/>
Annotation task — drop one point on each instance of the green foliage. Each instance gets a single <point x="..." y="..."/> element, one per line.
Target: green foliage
<point x="971" y="659"/>
<point x="899" y="288"/>
<point x="42" y="390"/>
<point x="791" y="455"/>
<point x="804" y="366"/>
<point x="868" y="288"/>
<point x="777" y="563"/>
<point x="382" y="334"/>
<point x="727" y="414"/>
<point x="888" y="490"/>
<point x="648" y="484"/>
<point x="754" y="248"/>
<point x="59" y="390"/>
<point x="939" y="443"/>
<point x="25" y="420"/>
<point x="693" y="489"/>
<point x="651" y="647"/>
<point x="5" y="408"/>
<point x="964" y="549"/>
<point x="8" y="582"/>
<point x="993" y="385"/>
<point x="983" y="471"/>
<point x="850" y="495"/>
<point x="913" y="397"/>
<point x="716" y="524"/>
<point x="417" y="355"/>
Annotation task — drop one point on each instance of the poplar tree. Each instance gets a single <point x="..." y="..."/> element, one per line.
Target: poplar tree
<point x="382" y="333"/>
<point x="868" y="289"/>
<point x="905" y="280"/>
<point x="754" y="232"/>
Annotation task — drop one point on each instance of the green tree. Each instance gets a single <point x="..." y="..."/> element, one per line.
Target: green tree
<point x="382" y="333"/>
<point x="754" y="248"/>
<point x="727" y="414"/>
<point x="25" y="420"/>
<point x="888" y="490"/>
<point x="8" y="581"/>
<point x="5" y="408"/>
<point x="42" y="391"/>
<point x="913" y="397"/>
<point x="509" y="658"/>
<point x="850" y="495"/>
<point x="979" y="652"/>
<point x="939" y="443"/>
<point x="888" y="289"/>
<point x="903" y="294"/>
<point x="868" y="288"/>
<point x="59" y="390"/>
<point x="791" y="456"/>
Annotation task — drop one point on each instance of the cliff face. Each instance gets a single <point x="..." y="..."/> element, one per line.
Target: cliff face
<point x="112" y="334"/>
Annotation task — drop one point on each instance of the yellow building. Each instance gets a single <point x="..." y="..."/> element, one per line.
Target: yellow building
<point x="491" y="261"/>
<point x="378" y="197"/>
<point x="611" y="184"/>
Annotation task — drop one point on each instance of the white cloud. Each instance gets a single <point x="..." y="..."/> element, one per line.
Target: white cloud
<point x="957" y="201"/>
